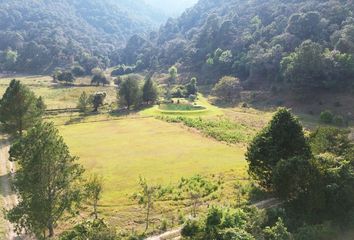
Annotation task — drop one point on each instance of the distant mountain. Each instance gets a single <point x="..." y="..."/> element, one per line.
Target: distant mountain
<point x="248" y="39"/>
<point x="36" y="36"/>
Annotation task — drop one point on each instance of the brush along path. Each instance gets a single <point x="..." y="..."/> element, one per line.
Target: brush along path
<point x="176" y="233"/>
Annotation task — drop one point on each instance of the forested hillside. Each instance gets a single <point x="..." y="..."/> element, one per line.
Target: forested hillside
<point x="306" y="43"/>
<point x="36" y="36"/>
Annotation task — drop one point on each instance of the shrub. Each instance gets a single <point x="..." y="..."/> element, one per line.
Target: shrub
<point x="78" y="71"/>
<point x="338" y="120"/>
<point x="326" y="117"/>
<point x="228" y="88"/>
<point x="319" y="232"/>
<point x="164" y="224"/>
<point x="190" y="229"/>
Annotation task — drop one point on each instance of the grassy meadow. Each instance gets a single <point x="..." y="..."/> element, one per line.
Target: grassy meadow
<point x="58" y="96"/>
<point x="124" y="149"/>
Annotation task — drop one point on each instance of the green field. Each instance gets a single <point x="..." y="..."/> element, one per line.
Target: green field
<point x="122" y="150"/>
<point x="57" y="95"/>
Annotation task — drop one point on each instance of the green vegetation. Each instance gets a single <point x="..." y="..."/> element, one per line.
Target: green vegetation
<point x="102" y="147"/>
<point x="297" y="42"/>
<point x="20" y="109"/>
<point x="179" y="107"/>
<point x="150" y="91"/>
<point x="222" y="130"/>
<point x="228" y="89"/>
<point x="281" y="140"/>
<point x="129" y="93"/>
<point x="92" y="32"/>
<point x="57" y="96"/>
<point x="47" y="181"/>
<point x="90" y="229"/>
<point x="93" y="190"/>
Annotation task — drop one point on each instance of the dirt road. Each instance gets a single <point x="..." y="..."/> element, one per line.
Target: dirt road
<point x="10" y="199"/>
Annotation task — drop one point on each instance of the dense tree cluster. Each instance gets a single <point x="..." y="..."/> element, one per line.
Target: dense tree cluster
<point x="256" y="41"/>
<point x="36" y="36"/>
<point x="131" y="93"/>
<point x="313" y="175"/>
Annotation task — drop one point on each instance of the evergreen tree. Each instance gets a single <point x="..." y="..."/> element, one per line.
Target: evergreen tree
<point x="19" y="108"/>
<point x="282" y="139"/>
<point x="192" y="87"/>
<point x="150" y="93"/>
<point x="84" y="102"/>
<point x="47" y="181"/>
<point x="129" y="92"/>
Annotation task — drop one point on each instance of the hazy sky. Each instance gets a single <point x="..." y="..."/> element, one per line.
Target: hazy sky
<point x="172" y="7"/>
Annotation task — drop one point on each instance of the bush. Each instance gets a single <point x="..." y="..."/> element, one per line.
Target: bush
<point x="326" y="117"/>
<point x="338" y="120"/>
<point x="78" y="71"/>
<point x="190" y="229"/>
<point x="164" y="225"/>
<point x="319" y="232"/>
<point x="228" y="88"/>
<point x="117" y="72"/>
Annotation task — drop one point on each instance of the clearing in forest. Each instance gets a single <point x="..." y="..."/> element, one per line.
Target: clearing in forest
<point x="124" y="149"/>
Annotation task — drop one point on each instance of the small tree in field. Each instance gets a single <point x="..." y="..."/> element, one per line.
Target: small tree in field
<point x="66" y="77"/>
<point x="94" y="191"/>
<point x="98" y="100"/>
<point x="146" y="197"/>
<point x="228" y="89"/>
<point x="283" y="138"/>
<point x="150" y="92"/>
<point x="84" y="102"/>
<point x="99" y="79"/>
<point x="173" y="73"/>
<point x="19" y="108"/>
<point x="47" y="181"/>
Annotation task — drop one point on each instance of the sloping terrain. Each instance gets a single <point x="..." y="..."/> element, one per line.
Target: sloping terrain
<point x="36" y="36"/>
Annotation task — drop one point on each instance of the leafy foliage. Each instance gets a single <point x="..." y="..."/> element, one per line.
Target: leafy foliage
<point x="36" y="36"/>
<point x="228" y="89"/>
<point x="258" y="41"/>
<point x="47" y="181"/>
<point x="282" y="139"/>
<point x="98" y="100"/>
<point x="150" y="92"/>
<point x="91" y="229"/>
<point x="129" y="93"/>
<point x="222" y="130"/>
<point x="20" y="109"/>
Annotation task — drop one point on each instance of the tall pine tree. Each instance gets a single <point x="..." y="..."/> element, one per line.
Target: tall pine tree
<point x="20" y="109"/>
<point x="47" y="181"/>
<point x="282" y="139"/>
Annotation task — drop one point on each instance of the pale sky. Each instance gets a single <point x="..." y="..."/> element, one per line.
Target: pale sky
<point x="172" y="7"/>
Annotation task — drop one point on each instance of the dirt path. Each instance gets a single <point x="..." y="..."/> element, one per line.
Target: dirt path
<point x="10" y="199"/>
<point x="176" y="233"/>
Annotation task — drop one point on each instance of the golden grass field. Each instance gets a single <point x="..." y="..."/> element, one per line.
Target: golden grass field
<point x="57" y="95"/>
<point x="124" y="149"/>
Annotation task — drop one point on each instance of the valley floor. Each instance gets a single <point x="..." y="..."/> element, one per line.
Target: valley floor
<point x="122" y="150"/>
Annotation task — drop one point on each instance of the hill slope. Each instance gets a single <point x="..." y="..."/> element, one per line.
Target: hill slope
<point x="244" y="38"/>
<point x="44" y="34"/>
